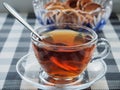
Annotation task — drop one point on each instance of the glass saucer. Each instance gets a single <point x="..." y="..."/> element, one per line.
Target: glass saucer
<point x="29" y="70"/>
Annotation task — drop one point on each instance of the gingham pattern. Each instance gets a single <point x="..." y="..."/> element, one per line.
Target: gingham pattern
<point x="15" y="42"/>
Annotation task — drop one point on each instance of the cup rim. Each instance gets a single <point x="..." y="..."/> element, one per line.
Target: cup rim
<point x="91" y="42"/>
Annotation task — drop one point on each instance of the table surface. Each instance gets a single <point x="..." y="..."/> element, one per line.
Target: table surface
<point x="15" y="43"/>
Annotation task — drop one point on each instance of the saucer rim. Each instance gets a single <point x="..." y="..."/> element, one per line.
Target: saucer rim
<point x="41" y="86"/>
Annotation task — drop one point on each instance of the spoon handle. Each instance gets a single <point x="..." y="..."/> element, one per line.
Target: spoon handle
<point x="20" y="19"/>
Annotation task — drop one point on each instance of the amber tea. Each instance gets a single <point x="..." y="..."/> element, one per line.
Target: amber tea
<point x="62" y="61"/>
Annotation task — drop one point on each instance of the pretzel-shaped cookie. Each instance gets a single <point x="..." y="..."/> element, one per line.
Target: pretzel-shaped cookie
<point x="91" y="7"/>
<point x="72" y="3"/>
<point x="54" y="4"/>
<point x="84" y="2"/>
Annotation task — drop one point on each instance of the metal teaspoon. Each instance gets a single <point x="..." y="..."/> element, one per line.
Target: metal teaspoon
<point x="20" y="19"/>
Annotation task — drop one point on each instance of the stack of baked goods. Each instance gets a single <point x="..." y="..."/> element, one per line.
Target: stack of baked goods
<point x="81" y="12"/>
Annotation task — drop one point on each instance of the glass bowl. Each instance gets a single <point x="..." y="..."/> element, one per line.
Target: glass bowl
<point x="91" y="13"/>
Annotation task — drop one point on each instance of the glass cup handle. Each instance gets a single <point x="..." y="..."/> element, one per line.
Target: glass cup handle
<point x="105" y="52"/>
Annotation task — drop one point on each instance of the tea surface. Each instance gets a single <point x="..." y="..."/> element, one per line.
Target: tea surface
<point x="64" y="63"/>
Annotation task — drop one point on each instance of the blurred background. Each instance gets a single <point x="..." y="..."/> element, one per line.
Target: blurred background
<point x="26" y="5"/>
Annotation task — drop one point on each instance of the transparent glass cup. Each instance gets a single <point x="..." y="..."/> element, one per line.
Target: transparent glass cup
<point x="65" y="51"/>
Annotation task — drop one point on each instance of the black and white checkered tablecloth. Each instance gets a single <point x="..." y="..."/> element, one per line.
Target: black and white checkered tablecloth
<point x="15" y="43"/>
